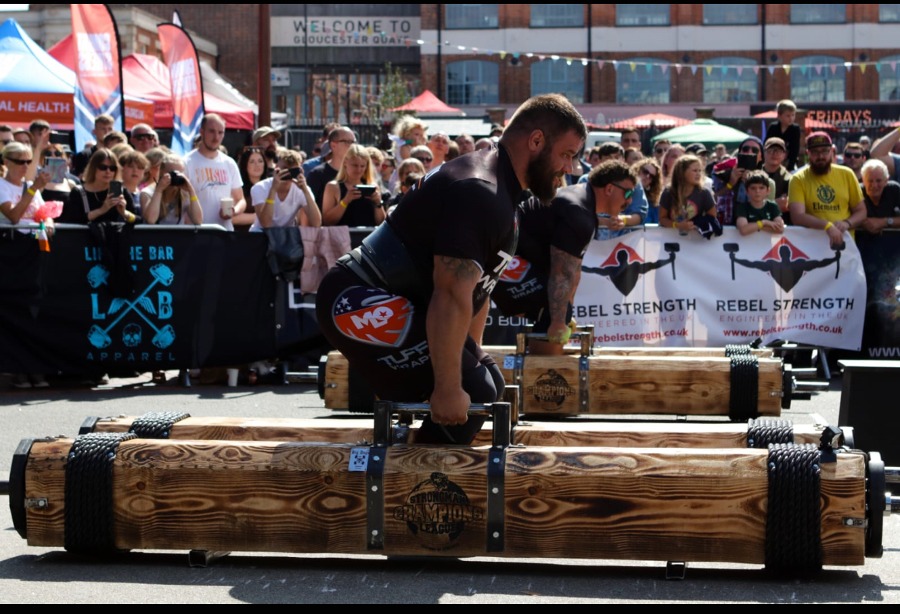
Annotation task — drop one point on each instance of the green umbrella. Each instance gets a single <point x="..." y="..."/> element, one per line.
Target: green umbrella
<point x="706" y="131"/>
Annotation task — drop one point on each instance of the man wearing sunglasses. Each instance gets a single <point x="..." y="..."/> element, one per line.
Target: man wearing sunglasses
<point x="541" y="281"/>
<point x="774" y="155"/>
<point x="853" y="158"/>
<point x="143" y="138"/>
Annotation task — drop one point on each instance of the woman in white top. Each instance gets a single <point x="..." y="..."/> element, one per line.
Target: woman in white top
<point x="283" y="199"/>
<point x="20" y="199"/>
<point x="174" y="200"/>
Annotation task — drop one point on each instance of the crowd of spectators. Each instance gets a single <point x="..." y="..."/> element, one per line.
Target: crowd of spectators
<point x="133" y="178"/>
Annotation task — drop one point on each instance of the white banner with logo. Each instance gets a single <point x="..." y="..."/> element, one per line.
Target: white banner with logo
<point x="654" y="287"/>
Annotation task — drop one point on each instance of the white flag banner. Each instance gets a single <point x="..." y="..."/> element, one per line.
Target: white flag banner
<point x="654" y="287"/>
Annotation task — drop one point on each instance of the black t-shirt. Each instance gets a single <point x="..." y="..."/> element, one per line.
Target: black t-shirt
<point x="74" y="213"/>
<point x="887" y="206"/>
<point x="791" y="138"/>
<point x="318" y="178"/>
<point x="465" y="209"/>
<point x="568" y="223"/>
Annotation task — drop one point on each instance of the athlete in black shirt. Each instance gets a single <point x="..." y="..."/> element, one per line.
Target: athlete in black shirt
<point x="401" y="307"/>
<point x="540" y="283"/>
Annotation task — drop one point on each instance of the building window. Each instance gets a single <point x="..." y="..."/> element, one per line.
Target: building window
<point x="471" y="16"/>
<point x="730" y="79"/>
<point x="473" y="82"/>
<point x="818" y="13"/>
<point x="557" y="15"/>
<point x="888" y="77"/>
<point x="729" y="14"/>
<point x="558" y="77"/>
<point x="818" y="78"/>
<point x="642" y="80"/>
<point x="642" y="15"/>
<point x="889" y="13"/>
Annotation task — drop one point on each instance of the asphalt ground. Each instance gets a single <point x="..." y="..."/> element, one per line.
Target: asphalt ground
<point x="52" y="575"/>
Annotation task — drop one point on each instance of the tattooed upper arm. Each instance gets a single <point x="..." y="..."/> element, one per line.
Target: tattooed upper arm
<point x="461" y="269"/>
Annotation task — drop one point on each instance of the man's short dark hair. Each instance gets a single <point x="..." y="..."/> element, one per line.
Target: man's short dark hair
<point x="610" y="148"/>
<point x="553" y="114"/>
<point x="759" y="176"/>
<point x="611" y="171"/>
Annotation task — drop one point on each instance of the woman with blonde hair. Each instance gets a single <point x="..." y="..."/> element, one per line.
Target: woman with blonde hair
<point x="174" y="200"/>
<point x="343" y="202"/>
<point x="685" y="198"/>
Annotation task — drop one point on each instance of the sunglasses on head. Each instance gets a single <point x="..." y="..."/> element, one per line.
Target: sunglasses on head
<point x="749" y="149"/>
<point x="19" y="162"/>
<point x="104" y="167"/>
<point x="626" y="192"/>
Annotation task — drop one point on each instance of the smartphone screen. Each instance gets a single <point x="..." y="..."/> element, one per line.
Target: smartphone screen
<point x="115" y="188"/>
<point x="57" y="169"/>
<point x="295" y="172"/>
<point x="747" y="161"/>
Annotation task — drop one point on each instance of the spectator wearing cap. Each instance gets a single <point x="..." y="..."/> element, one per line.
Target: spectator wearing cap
<point x="826" y="196"/>
<point x="728" y="180"/>
<point x="266" y="138"/>
<point x="774" y="154"/>
<point x="866" y="144"/>
<point x="853" y="158"/>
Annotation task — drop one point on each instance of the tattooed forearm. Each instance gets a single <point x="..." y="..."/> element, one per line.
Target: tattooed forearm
<point x="565" y="271"/>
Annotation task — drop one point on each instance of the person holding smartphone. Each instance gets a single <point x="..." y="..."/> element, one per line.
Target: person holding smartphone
<point x="353" y="199"/>
<point x="101" y="197"/>
<point x="729" y="186"/>
<point x="285" y="199"/>
<point x="56" y="162"/>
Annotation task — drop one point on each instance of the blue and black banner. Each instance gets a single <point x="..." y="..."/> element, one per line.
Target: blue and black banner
<point x="143" y="299"/>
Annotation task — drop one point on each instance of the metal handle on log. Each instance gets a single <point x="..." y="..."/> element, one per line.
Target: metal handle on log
<point x="499" y="413"/>
<point x="584" y="334"/>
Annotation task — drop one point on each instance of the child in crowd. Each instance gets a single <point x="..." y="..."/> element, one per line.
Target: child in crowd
<point x="760" y="213"/>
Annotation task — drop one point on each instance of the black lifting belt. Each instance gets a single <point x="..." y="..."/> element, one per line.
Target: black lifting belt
<point x="382" y="260"/>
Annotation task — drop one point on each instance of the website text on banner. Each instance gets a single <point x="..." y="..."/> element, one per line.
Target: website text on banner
<point x="656" y="288"/>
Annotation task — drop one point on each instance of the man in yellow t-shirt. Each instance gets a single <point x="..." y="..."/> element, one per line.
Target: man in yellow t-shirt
<point x="824" y="195"/>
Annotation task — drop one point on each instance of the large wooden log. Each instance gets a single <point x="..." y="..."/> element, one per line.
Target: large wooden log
<point x="613" y="384"/>
<point x="570" y="433"/>
<point x="690" y="505"/>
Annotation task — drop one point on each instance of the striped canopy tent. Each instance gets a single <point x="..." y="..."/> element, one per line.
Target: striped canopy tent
<point x="660" y="120"/>
<point x="810" y="124"/>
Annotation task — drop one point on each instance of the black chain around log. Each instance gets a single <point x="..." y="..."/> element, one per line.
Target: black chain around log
<point x="744" y="399"/>
<point x="794" y="517"/>
<point x="156" y="425"/>
<point x="760" y="433"/>
<point x="88" y="500"/>
<point x="737" y="350"/>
